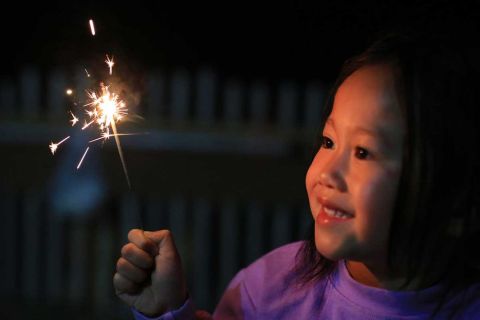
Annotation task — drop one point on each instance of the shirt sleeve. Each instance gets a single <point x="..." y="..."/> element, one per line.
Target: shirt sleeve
<point x="185" y="312"/>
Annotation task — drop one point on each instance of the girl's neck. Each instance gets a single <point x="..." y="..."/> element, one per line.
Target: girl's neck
<point x="378" y="277"/>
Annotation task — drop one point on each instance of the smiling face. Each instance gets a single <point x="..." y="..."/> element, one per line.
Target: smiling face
<point x="353" y="179"/>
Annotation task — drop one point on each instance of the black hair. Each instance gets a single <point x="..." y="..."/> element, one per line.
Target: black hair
<point x="436" y="220"/>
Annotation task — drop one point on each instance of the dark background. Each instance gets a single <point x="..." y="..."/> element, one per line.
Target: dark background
<point x="300" y="42"/>
<point x="296" y="39"/>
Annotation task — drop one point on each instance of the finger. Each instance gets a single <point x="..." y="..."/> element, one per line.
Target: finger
<point x="124" y="285"/>
<point x="138" y="237"/>
<point x="131" y="272"/>
<point x="137" y="256"/>
<point x="163" y="238"/>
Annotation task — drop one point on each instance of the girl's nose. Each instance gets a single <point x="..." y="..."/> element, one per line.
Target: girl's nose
<point x="332" y="177"/>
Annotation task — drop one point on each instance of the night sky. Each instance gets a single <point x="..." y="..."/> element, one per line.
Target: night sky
<point x="295" y="40"/>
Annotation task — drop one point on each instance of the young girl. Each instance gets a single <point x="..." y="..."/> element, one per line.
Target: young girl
<point x="393" y="191"/>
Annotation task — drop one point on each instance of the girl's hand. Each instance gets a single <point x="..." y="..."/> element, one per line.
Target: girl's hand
<point x="149" y="273"/>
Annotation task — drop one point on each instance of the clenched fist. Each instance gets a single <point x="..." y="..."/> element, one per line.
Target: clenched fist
<point x="149" y="273"/>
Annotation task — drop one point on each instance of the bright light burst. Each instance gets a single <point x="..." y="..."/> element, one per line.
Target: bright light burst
<point x="104" y="108"/>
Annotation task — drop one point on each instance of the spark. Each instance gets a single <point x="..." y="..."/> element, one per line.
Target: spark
<point x="86" y="125"/>
<point x="88" y="74"/>
<point x="69" y="92"/>
<point x="83" y="157"/>
<point x="92" y="27"/>
<point x="74" y="119"/>
<point x="53" y="146"/>
<point x="110" y="63"/>
<point x="106" y="136"/>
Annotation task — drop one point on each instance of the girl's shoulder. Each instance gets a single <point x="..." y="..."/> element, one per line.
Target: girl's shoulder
<point x="271" y="273"/>
<point x="280" y="260"/>
<point x="267" y="289"/>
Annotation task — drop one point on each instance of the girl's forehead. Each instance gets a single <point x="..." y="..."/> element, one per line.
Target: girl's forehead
<point x="368" y="97"/>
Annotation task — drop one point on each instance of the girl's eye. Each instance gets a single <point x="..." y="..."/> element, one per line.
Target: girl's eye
<point x="327" y="143"/>
<point x="361" y="153"/>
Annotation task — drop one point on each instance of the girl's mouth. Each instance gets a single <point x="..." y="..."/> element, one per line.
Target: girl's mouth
<point x="327" y="215"/>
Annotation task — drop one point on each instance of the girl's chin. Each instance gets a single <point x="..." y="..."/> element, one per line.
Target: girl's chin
<point x="330" y="254"/>
<point x="333" y="248"/>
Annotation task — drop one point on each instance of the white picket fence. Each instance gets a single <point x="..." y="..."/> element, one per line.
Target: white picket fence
<point x="66" y="260"/>
<point x="61" y="259"/>
<point x="255" y="117"/>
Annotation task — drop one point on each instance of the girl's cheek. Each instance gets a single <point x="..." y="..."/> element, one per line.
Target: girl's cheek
<point x="376" y="194"/>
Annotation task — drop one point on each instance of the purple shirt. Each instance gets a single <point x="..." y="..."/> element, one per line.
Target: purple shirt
<point x="266" y="290"/>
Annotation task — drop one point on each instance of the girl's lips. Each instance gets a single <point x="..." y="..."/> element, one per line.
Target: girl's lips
<point x="323" y="218"/>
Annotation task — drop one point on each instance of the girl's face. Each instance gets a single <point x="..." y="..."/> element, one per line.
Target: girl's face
<point x="353" y="179"/>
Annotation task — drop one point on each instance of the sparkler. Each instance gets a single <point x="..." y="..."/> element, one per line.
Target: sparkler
<point x="104" y="108"/>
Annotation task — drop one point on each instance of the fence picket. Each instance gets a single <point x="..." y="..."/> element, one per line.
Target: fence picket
<point x="281" y="226"/>
<point x="57" y="104"/>
<point x="180" y="96"/>
<point x="7" y="99"/>
<point x="229" y="242"/>
<point x="155" y="108"/>
<point x="287" y="104"/>
<point x="254" y="231"/>
<point x="232" y="102"/>
<point x="30" y="93"/>
<point x="31" y="244"/>
<point x="258" y="103"/>
<point x="77" y="254"/>
<point x="205" y="97"/>
<point x="9" y="234"/>
<point x="314" y="100"/>
<point x="55" y="243"/>
<point x="202" y="252"/>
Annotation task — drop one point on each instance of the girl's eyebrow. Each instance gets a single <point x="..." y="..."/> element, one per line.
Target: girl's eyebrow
<point x="378" y="133"/>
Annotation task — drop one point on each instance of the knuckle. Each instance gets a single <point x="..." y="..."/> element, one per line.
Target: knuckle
<point x="132" y="233"/>
<point x="128" y="250"/>
<point x="168" y="233"/>
<point x="142" y="243"/>
<point x="121" y="264"/>
<point x="123" y="251"/>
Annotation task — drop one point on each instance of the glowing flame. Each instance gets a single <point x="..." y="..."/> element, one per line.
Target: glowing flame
<point x="105" y="108"/>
